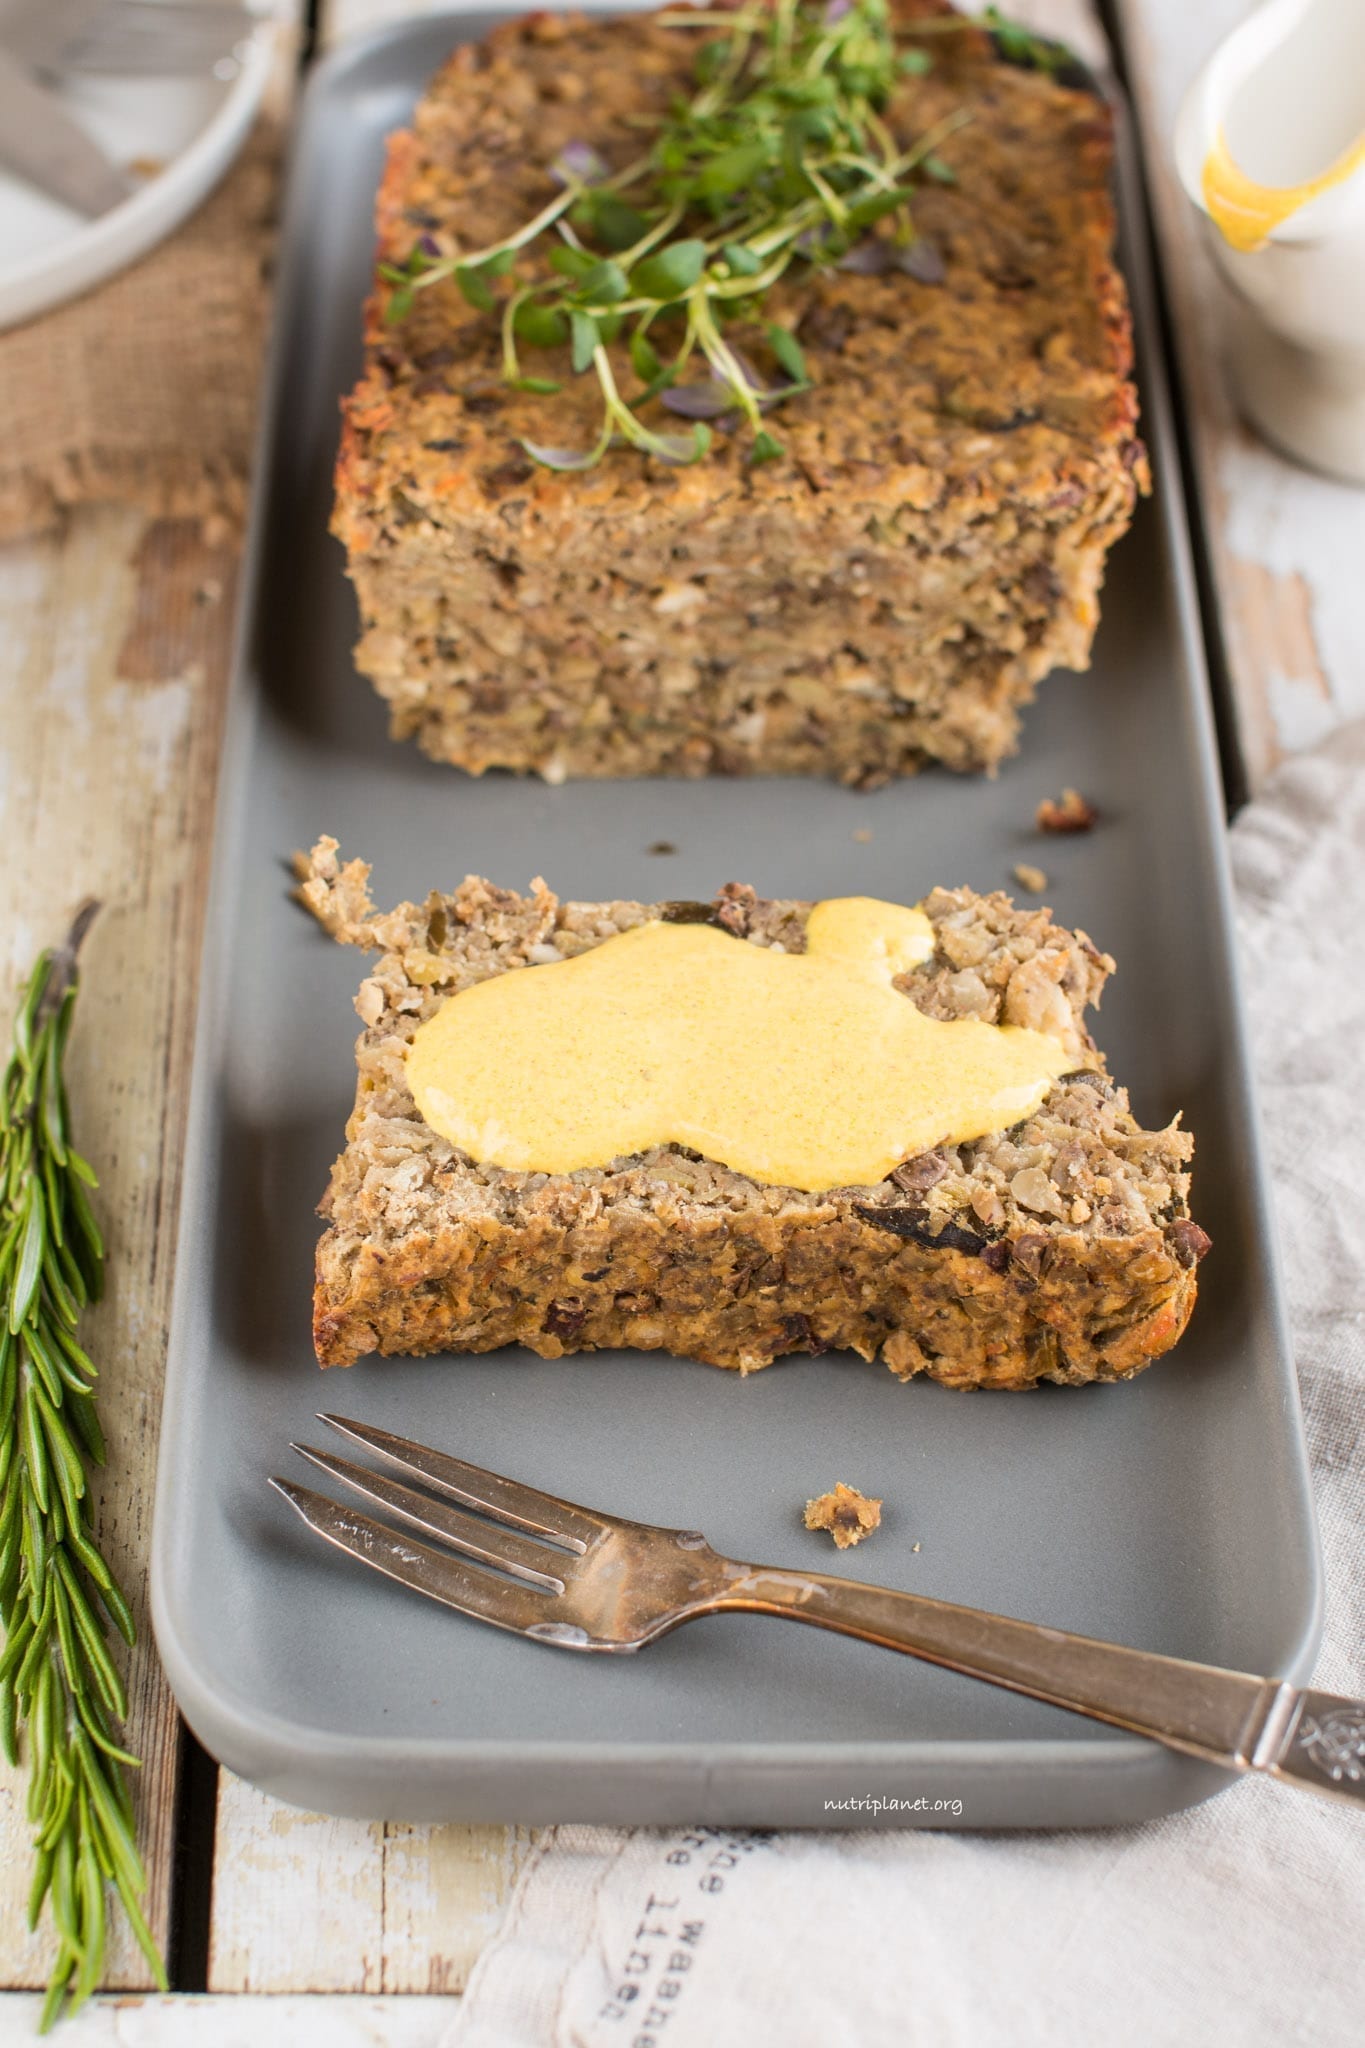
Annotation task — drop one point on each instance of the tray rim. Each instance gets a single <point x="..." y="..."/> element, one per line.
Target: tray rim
<point x="289" y="1748"/>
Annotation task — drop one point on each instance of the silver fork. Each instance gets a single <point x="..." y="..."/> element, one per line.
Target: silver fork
<point x="582" y="1580"/>
<point x="144" y="38"/>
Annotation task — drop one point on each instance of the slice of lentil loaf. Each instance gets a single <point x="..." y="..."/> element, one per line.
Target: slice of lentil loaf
<point x="889" y="592"/>
<point x="1061" y="1249"/>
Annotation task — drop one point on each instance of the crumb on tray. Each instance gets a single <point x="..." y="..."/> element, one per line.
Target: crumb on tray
<point x="1029" y="877"/>
<point x="846" y="1513"/>
<point x="1072" y="813"/>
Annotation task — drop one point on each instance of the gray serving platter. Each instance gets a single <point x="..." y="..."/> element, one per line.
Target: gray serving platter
<point x="1172" y="1513"/>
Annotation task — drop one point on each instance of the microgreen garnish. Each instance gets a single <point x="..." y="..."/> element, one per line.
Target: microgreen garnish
<point x="1019" y="45"/>
<point x="781" y="155"/>
<point x="57" y="1678"/>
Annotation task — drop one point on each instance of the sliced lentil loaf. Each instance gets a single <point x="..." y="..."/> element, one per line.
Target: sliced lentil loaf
<point x="889" y="592"/>
<point x="1062" y="1249"/>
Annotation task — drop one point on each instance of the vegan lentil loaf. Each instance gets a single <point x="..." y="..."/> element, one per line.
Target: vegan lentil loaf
<point x="1061" y="1249"/>
<point x="888" y="592"/>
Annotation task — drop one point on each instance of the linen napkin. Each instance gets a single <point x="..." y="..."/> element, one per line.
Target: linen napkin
<point x="1241" y="1920"/>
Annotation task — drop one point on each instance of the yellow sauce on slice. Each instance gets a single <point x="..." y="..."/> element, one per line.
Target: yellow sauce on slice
<point x="805" y="1070"/>
<point x="1246" y="211"/>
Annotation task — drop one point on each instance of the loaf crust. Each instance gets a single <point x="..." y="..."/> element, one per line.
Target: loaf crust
<point x="889" y="592"/>
<point x="1060" y="1250"/>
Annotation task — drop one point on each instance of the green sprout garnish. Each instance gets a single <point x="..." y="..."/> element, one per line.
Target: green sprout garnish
<point x="1020" y="45"/>
<point x="780" y="156"/>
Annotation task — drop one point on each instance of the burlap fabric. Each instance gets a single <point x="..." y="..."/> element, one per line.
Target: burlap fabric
<point x="144" y="390"/>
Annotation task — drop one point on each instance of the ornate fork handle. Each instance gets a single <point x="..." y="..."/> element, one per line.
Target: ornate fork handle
<point x="1245" y="1723"/>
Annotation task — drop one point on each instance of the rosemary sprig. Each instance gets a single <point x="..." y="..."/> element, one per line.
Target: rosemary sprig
<point x="58" y="1680"/>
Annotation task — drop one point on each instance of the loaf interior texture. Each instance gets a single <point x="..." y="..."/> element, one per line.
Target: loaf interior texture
<point x="889" y="592"/>
<point x="1061" y="1249"/>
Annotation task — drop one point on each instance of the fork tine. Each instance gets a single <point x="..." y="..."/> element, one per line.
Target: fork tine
<point x="506" y="1500"/>
<point x="490" y="1544"/>
<point x="524" y="1609"/>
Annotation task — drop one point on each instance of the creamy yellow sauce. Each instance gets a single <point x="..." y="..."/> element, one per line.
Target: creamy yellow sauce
<point x="1246" y="211"/>
<point x="805" y="1070"/>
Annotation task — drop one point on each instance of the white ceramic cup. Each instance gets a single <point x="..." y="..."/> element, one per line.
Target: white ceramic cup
<point x="1287" y="88"/>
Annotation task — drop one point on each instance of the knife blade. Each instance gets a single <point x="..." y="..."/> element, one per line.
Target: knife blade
<point x="34" y="32"/>
<point x="42" y="142"/>
<point x="123" y="38"/>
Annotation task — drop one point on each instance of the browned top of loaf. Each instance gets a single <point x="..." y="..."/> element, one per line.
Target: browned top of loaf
<point x="1006" y="383"/>
<point x="1080" y="1162"/>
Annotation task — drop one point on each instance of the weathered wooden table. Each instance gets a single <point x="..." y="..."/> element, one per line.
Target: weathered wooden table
<point x="114" y="649"/>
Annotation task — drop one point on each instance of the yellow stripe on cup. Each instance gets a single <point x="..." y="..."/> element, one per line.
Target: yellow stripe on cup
<point x="1246" y="212"/>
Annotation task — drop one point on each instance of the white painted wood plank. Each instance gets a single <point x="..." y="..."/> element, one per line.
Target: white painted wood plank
<point x="445" y="1891"/>
<point x="298" y="1899"/>
<point x="239" y="2022"/>
<point x="306" y="1903"/>
<point x="112" y="646"/>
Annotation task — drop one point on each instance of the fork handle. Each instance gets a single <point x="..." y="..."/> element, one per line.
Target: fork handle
<point x="1312" y="1739"/>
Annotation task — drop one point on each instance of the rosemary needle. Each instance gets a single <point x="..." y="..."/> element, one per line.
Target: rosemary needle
<point x="58" y="1681"/>
<point x="780" y="156"/>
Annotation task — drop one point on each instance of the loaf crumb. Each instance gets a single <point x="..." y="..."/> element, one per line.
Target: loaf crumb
<point x="1030" y="878"/>
<point x="1071" y="813"/>
<point x="846" y="1513"/>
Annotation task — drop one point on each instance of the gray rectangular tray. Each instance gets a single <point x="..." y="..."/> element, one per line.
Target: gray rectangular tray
<point x="1172" y="1513"/>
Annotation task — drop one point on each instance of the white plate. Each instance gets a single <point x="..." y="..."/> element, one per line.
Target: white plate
<point x="180" y="133"/>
